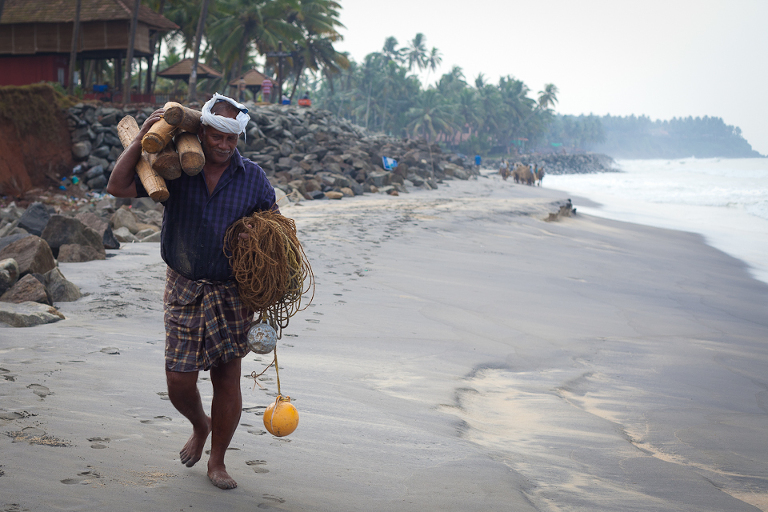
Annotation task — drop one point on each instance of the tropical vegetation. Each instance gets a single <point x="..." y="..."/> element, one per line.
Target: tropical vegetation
<point x="384" y="93"/>
<point x="396" y="90"/>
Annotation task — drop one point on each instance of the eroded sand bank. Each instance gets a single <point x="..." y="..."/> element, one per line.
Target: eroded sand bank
<point x="460" y="354"/>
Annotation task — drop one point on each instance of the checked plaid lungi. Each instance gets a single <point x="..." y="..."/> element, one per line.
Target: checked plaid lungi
<point x="205" y="323"/>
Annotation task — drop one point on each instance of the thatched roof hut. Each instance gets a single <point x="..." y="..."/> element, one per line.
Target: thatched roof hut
<point x="36" y="37"/>
<point x="182" y="69"/>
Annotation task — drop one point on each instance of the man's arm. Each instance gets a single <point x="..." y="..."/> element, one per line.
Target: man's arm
<point x="122" y="180"/>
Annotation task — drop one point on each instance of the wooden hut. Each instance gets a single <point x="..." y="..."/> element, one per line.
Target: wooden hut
<point x="180" y="72"/>
<point x="36" y="38"/>
<point x="182" y="69"/>
<point x="250" y="81"/>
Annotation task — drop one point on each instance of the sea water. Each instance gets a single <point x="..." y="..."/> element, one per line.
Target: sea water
<point x="725" y="200"/>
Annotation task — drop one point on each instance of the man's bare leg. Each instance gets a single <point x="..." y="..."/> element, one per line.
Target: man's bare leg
<point x="184" y="395"/>
<point x="226" y="408"/>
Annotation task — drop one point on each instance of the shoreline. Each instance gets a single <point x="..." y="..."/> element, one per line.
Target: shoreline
<point x="730" y="228"/>
<point x="460" y="354"/>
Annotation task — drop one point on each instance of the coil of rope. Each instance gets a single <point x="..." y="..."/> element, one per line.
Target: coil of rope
<point x="273" y="274"/>
<point x="270" y="266"/>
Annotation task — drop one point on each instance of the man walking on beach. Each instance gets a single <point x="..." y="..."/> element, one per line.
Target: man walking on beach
<point x="205" y="323"/>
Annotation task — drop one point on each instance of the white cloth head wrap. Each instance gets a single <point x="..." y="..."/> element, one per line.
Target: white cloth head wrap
<point x="225" y="124"/>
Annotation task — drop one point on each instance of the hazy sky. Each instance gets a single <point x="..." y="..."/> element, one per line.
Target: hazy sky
<point x="664" y="59"/>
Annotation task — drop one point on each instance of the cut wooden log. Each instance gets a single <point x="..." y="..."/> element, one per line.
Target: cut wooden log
<point x="190" y="153"/>
<point x="159" y="135"/>
<point x="185" y="119"/>
<point x="166" y="163"/>
<point x="127" y="130"/>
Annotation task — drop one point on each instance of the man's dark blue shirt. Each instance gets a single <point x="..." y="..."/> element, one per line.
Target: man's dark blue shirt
<point x="194" y="221"/>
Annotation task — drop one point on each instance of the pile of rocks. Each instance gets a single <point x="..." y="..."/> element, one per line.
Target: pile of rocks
<point x="313" y="154"/>
<point x="34" y="240"/>
<point x="95" y="144"/>
<point x="579" y="163"/>
<point x="307" y="153"/>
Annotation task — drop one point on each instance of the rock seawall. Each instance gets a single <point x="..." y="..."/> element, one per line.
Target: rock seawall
<point x="579" y="163"/>
<point x="307" y="153"/>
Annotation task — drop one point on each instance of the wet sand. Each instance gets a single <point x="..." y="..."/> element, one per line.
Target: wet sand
<point x="460" y="354"/>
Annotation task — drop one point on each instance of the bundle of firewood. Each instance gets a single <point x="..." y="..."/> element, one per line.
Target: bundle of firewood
<point x="169" y="147"/>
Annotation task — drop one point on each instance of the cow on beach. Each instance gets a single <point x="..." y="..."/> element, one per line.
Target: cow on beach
<point x="523" y="174"/>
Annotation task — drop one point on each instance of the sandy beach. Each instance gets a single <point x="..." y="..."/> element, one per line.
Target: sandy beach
<point x="460" y="354"/>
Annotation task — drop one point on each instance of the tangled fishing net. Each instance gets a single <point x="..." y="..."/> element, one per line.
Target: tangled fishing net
<point x="270" y="267"/>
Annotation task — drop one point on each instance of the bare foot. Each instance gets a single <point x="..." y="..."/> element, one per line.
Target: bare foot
<point x="193" y="450"/>
<point x="220" y="478"/>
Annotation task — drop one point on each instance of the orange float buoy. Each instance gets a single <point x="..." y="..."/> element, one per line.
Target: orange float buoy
<point x="281" y="418"/>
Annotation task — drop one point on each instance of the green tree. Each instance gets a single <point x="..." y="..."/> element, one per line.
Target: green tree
<point x="548" y="97"/>
<point x="431" y="116"/>
<point x="416" y="52"/>
<point x="390" y="51"/>
<point x="243" y="25"/>
<point x="433" y="60"/>
<point x="196" y="54"/>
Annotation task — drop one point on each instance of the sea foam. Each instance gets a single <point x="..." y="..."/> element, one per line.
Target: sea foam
<point x="725" y="200"/>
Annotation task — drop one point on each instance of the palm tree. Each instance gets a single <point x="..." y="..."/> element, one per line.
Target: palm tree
<point x="129" y="57"/>
<point x="548" y="97"/>
<point x="480" y="81"/>
<point x="75" y="40"/>
<point x="196" y="57"/>
<point x="158" y="6"/>
<point x="433" y="61"/>
<point x="185" y="14"/>
<point x="467" y="109"/>
<point x="432" y="115"/>
<point x="452" y="82"/>
<point x="243" y="24"/>
<point x="416" y="52"/>
<point x="390" y="51"/>
<point x="317" y="53"/>
<point x="318" y="22"/>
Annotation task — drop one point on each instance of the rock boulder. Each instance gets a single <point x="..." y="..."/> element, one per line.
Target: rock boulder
<point x="62" y="230"/>
<point x="9" y="274"/>
<point x="26" y="289"/>
<point x="28" y="314"/>
<point x="59" y="288"/>
<point x="35" y="218"/>
<point x="32" y="254"/>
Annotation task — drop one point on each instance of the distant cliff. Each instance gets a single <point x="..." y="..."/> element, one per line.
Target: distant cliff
<point x="633" y="137"/>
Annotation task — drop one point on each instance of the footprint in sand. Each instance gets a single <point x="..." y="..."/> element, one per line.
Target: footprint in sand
<point x="97" y="442"/>
<point x="14" y="507"/>
<point x="208" y="452"/>
<point x="271" y="497"/>
<point x="83" y="478"/>
<point x="258" y="409"/>
<point x="40" y="390"/>
<point x="112" y="351"/>
<point x="163" y="395"/>
<point x="7" y="375"/>
<point x="312" y="320"/>
<point x="15" y="415"/>
<point x="257" y="432"/>
<point x="255" y="465"/>
<point x="156" y="419"/>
